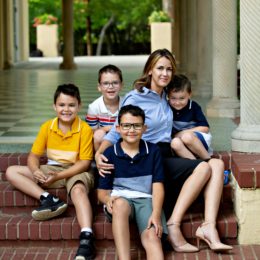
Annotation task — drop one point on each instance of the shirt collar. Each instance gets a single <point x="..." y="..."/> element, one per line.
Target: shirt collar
<point x="75" y="128"/>
<point x="146" y="91"/>
<point x="143" y="148"/>
<point x="104" y="109"/>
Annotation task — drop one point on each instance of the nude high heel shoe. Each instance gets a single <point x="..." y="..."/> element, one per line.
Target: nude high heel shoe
<point x="186" y="248"/>
<point x="214" y="246"/>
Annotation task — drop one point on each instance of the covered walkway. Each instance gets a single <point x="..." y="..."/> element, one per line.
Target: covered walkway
<point x="26" y="94"/>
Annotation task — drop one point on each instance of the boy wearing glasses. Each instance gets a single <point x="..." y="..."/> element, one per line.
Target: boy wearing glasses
<point x="103" y="111"/>
<point x="134" y="189"/>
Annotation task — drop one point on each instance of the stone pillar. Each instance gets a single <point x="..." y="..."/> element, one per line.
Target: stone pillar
<point x="224" y="102"/>
<point x="23" y="30"/>
<point x="246" y="138"/>
<point x="1" y="35"/>
<point x="184" y="36"/>
<point x="68" y="48"/>
<point x="192" y="40"/>
<point x="6" y="35"/>
<point x="176" y="31"/>
<point x="204" y="49"/>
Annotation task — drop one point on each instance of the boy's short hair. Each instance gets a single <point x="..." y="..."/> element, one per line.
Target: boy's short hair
<point x="133" y="110"/>
<point x="67" y="89"/>
<point x="112" y="69"/>
<point x="179" y="83"/>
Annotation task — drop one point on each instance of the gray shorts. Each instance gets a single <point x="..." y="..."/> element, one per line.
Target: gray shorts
<point x="86" y="178"/>
<point x="141" y="210"/>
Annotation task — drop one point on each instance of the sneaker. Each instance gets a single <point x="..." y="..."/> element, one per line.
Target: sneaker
<point x="50" y="207"/>
<point x="86" y="250"/>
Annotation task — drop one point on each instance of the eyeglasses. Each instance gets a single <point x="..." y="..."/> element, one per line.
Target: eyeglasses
<point x="114" y="84"/>
<point x="128" y="126"/>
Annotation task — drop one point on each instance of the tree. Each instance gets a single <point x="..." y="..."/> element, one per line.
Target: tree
<point x="129" y="27"/>
<point x="128" y="31"/>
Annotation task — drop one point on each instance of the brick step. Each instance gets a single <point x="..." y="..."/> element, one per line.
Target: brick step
<point x="239" y="252"/>
<point x="24" y="228"/>
<point x="8" y="159"/>
<point x="14" y="201"/>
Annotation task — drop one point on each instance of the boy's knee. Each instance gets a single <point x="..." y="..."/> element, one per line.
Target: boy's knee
<point x="176" y="143"/>
<point x="120" y="205"/>
<point x="78" y="190"/>
<point x="188" y="138"/>
<point x="10" y="171"/>
<point x="149" y="236"/>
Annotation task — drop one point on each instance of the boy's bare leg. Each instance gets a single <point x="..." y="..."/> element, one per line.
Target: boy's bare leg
<point x="80" y="199"/>
<point x="195" y="145"/>
<point x="152" y="244"/>
<point x="180" y="149"/>
<point x="22" y="178"/>
<point x="120" y="226"/>
<point x="189" y="192"/>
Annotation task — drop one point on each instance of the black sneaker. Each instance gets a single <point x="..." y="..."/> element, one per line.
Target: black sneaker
<point x="51" y="207"/>
<point x="86" y="250"/>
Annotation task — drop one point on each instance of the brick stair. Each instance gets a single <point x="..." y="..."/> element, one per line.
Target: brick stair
<point x="19" y="230"/>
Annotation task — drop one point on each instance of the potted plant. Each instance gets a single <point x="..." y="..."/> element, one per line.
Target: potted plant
<point x="47" y="34"/>
<point x="161" y="30"/>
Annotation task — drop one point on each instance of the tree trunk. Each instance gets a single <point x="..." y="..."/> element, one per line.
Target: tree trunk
<point x="88" y="37"/>
<point x="88" y="34"/>
<point x="102" y="35"/>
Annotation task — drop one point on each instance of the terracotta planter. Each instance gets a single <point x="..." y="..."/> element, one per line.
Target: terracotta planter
<point x="47" y="39"/>
<point x="161" y="36"/>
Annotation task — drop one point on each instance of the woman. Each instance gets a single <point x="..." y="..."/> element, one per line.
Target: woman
<point x="191" y="176"/>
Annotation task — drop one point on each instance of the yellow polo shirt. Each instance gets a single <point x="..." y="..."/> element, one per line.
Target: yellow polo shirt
<point x="75" y="145"/>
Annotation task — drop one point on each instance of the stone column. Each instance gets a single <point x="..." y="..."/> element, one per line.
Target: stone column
<point x="224" y="102"/>
<point x="176" y="31"/>
<point x="192" y="40"/>
<point x="23" y="30"/>
<point x="184" y="36"/>
<point x="246" y="138"/>
<point x="204" y="49"/>
<point x="68" y="48"/>
<point x="1" y="35"/>
<point x="6" y="34"/>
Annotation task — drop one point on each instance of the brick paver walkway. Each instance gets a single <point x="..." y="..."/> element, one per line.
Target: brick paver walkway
<point x="240" y="252"/>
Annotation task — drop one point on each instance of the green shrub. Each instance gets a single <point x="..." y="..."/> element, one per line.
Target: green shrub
<point x="158" y="17"/>
<point x="45" y="19"/>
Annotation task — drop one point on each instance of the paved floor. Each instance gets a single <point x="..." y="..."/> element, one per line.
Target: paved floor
<point x="239" y="252"/>
<point x="26" y="93"/>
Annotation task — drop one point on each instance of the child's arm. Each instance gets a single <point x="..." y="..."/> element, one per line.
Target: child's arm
<point x="79" y="167"/>
<point x="158" y="197"/>
<point x="106" y="199"/>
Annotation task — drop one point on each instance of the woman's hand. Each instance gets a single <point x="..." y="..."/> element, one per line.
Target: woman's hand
<point x="102" y="165"/>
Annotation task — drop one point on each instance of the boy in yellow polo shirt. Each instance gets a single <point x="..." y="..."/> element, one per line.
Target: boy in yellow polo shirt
<point x="67" y="141"/>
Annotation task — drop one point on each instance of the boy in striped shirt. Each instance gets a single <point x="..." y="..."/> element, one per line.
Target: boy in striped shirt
<point x="103" y="111"/>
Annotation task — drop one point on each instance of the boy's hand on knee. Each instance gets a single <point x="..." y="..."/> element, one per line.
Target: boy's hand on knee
<point x="156" y="223"/>
<point x="109" y="203"/>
